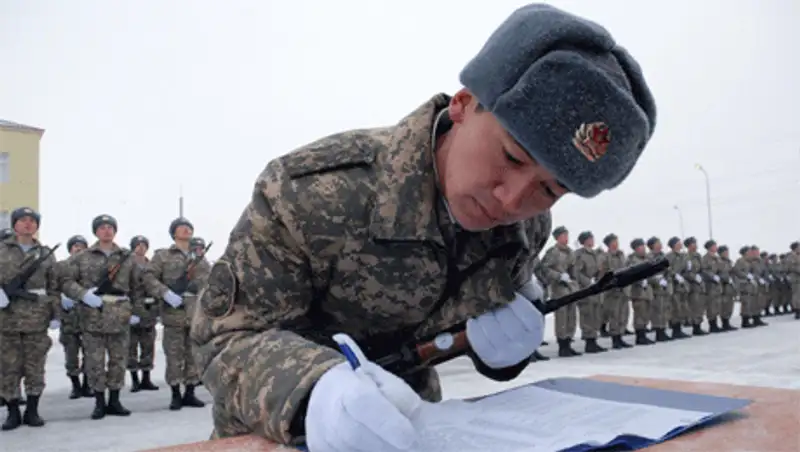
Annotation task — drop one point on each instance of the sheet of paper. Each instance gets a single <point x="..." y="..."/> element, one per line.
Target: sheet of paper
<point x="532" y="419"/>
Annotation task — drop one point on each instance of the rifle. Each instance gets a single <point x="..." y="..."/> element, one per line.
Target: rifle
<point x="184" y="282"/>
<point x="15" y="287"/>
<point x="106" y="284"/>
<point x="453" y="343"/>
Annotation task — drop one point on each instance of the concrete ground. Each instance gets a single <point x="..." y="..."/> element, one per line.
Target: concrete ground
<point x="766" y="356"/>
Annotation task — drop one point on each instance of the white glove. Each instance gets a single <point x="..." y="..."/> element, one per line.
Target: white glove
<point x="663" y="282"/>
<point x="698" y="278"/>
<point x="172" y="299"/>
<point x="592" y="281"/>
<point x="716" y="279"/>
<point x="532" y="290"/>
<point x="565" y="277"/>
<point x="66" y="302"/>
<point x="750" y="276"/>
<point x="730" y="281"/>
<point x="3" y="299"/>
<point x="771" y="278"/>
<point x="55" y="324"/>
<point x="761" y="280"/>
<point x="679" y="278"/>
<point x="689" y="265"/>
<point x="135" y="320"/>
<point x="644" y="283"/>
<point x="92" y="300"/>
<point x="363" y="410"/>
<point x="507" y="335"/>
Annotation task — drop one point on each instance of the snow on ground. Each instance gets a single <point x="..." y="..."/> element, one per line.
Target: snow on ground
<point x="767" y="356"/>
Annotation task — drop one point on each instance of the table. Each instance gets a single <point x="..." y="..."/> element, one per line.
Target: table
<point x="772" y="423"/>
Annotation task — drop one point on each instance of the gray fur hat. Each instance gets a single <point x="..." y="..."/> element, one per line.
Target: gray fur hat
<point x="562" y="87"/>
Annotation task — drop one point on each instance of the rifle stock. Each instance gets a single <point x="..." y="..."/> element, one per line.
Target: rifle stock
<point x="453" y="342"/>
<point x="15" y="288"/>
<point x="183" y="283"/>
<point x="106" y="284"/>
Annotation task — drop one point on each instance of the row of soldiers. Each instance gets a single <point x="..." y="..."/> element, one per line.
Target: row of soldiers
<point x="106" y="301"/>
<point x="696" y="288"/>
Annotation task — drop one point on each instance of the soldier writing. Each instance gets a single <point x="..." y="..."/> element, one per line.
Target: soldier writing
<point x="142" y="344"/>
<point x="104" y="278"/>
<point x="162" y="279"/>
<point x="395" y="234"/>
<point x="28" y="300"/>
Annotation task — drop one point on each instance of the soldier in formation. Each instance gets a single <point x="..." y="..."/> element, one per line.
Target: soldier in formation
<point x="556" y="270"/>
<point x="661" y="285"/>
<point x="585" y="271"/>
<point x="142" y="343"/>
<point x="710" y="265"/>
<point x="70" y="334"/>
<point x="175" y="275"/>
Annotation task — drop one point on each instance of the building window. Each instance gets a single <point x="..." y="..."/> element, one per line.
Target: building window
<point x="4" y="171"/>
<point x="5" y="219"/>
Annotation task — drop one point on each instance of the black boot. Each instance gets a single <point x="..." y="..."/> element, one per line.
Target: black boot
<point x="85" y="389"/>
<point x="628" y="332"/>
<point x="565" y="350"/>
<point x="76" y="387"/>
<point x="677" y="331"/>
<point x="99" y="411"/>
<point x="31" y="416"/>
<point x="726" y="325"/>
<point x="797" y="315"/>
<point x="135" y="385"/>
<point x="604" y="330"/>
<point x="758" y="322"/>
<point x="176" y="403"/>
<point x="698" y="331"/>
<point x="713" y="327"/>
<point x="592" y="347"/>
<point x="114" y="407"/>
<point x="746" y="322"/>
<point x="14" y="418"/>
<point x="2" y="402"/>
<point x="662" y="336"/>
<point x="642" y="339"/>
<point x="147" y="384"/>
<point x="617" y="342"/>
<point x="538" y="357"/>
<point x="189" y="399"/>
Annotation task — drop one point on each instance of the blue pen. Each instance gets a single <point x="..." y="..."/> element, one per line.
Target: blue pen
<point x="351" y="351"/>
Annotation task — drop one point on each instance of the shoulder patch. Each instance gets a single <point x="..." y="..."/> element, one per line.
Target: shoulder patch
<point x="218" y="295"/>
<point x="341" y="151"/>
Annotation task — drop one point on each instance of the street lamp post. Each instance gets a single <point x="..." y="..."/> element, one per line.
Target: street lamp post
<point x="708" y="199"/>
<point x="680" y="220"/>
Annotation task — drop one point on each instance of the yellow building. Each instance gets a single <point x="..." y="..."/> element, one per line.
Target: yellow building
<point x="19" y="168"/>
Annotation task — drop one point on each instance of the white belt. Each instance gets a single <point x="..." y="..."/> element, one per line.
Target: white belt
<point x="113" y="298"/>
<point x="149" y="300"/>
<point x="189" y="294"/>
<point x="40" y="292"/>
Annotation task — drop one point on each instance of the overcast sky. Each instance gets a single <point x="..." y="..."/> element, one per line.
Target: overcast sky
<point x="141" y="98"/>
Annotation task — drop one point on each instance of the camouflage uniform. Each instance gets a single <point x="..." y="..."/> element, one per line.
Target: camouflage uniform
<point x="616" y="302"/>
<point x="728" y="289"/>
<point x="759" y="270"/>
<point x="692" y="275"/>
<point x="70" y="339"/>
<point x="23" y="330"/>
<point x="556" y="262"/>
<point x="162" y="273"/>
<point x="661" y="306"/>
<point x="142" y="343"/>
<point x="679" y="314"/>
<point x="747" y="287"/>
<point x="105" y="330"/>
<point x="641" y="297"/>
<point x="586" y="271"/>
<point x="346" y="234"/>
<point x="710" y="268"/>
<point x="775" y="289"/>
<point x="793" y="275"/>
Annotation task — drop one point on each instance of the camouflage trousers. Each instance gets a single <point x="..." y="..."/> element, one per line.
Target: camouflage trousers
<point x="104" y="374"/>
<point x="775" y="293"/>
<point x="73" y="348"/>
<point x="590" y="313"/>
<point x="726" y="306"/>
<point x="749" y="307"/>
<point x="22" y="360"/>
<point x="680" y="308"/>
<point x="697" y="307"/>
<point x="660" y="309"/>
<point x="713" y="304"/>
<point x="141" y="348"/>
<point x="796" y="295"/>
<point x="762" y="299"/>
<point x="615" y="304"/>
<point x="181" y="368"/>
<point x="641" y="313"/>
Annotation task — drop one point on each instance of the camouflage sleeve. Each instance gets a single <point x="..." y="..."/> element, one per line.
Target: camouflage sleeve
<point x="549" y="266"/>
<point x="707" y="268"/>
<point x="72" y="273"/>
<point x="690" y="273"/>
<point x="201" y="274"/>
<point x="136" y="291"/>
<point x="259" y="374"/>
<point x="578" y="273"/>
<point x="151" y="277"/>
<point x="740" y="270"/>
<point x="53" y="287"/>
<point x="537" y="231"/>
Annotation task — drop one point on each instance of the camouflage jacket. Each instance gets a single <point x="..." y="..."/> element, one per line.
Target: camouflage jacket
<point x="612" y="261"/>
<point x="742" y="271"/>
<point x="163" y="272"/>
<point x="637" y="291"/>
<point x="726" y="275"/>
<point x="586" y="268"/>
<point x="710" y="265"/>
<point x="346" y="234"/>
<point x="793" y="268"/>
<point x="655" y="280"/>
<point x="557" y="260"/>
<point x="149" y="309"/>
<point x="21" y="315"/>
<point x="85" y="270"/>
<point x="693" y="267"/>
<point x="70" y="323"/>
<point x="677" y="265"/>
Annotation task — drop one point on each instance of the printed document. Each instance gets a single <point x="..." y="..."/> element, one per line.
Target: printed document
<point x="533" y="419"/>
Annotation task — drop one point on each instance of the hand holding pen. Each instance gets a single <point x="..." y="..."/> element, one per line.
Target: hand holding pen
<point x="358" y="406"/>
